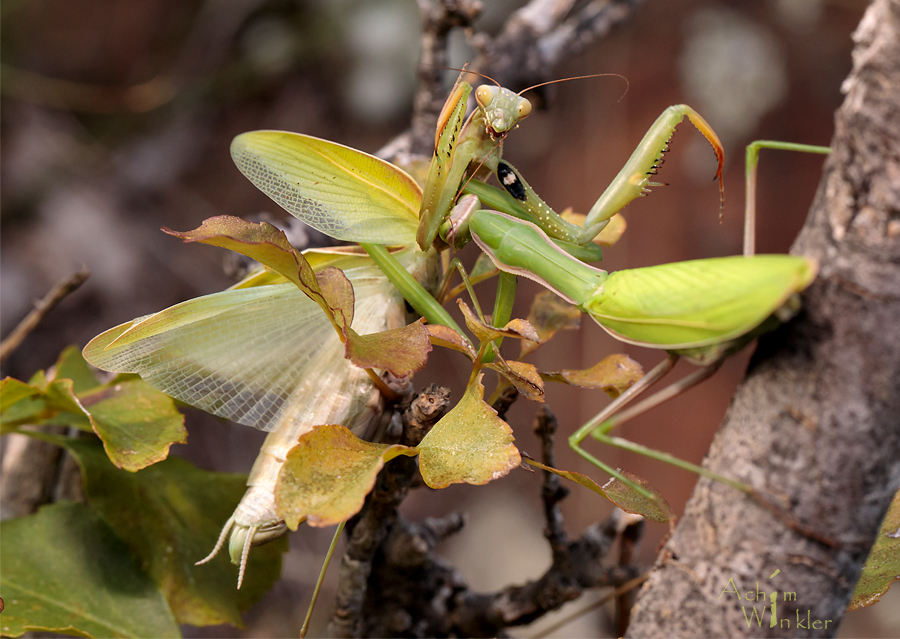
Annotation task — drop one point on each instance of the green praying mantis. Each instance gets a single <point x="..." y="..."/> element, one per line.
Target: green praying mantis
<point x="355" y="197"/>
<point x="740" y="299"/>
<point x="703" y="310"/>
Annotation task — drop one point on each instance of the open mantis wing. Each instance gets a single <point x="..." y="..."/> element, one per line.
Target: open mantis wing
<point x="264" y="356"/>
<point x="344" y="193"/>
<point x="245" y="354"/>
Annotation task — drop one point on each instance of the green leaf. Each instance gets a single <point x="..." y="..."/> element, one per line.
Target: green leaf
<point x="14" y="391"/>
<point x="18" y="402"/>
<point x="65" y="571"/>
<point x="516" y="328"/>
<point x="137" y="423"/>
<point x="50" y="402"/>
<point x="448" y="338"/>
<point x="338" y="294"/>
<point x="71" y="365"/>
<point x="523" y="376"/>
<point x="614" y="374"/>
<point x="571" y="475"/>
<point x="328" y="474"/>
<point x="631" y="501"/>
<point x="470" y="444"/>
<point x="39" y="379"/>
<point x="170" y="514"/>
<point x="883" y="565"/>
<point x="60" y="396"/>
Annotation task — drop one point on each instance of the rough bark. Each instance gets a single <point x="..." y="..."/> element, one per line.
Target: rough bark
<point x="815" y="425"/>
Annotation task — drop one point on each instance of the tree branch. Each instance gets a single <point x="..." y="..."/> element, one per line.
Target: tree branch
<point x="392" y="584"/>
<point x="815" y="423"/>
<point x="545" y="33"/>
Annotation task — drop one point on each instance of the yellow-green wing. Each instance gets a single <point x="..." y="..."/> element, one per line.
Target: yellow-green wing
<point x="342" y="192"/>
<point x="699" y="302"/>
<point x="251" y="355"/>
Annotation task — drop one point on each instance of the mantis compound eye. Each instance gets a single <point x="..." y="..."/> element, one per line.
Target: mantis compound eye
<point x="485" y="94"/>
<point x="523" y="108"/>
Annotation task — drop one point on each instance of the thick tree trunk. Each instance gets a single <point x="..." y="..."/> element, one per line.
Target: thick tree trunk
<point x="816" y="425"/>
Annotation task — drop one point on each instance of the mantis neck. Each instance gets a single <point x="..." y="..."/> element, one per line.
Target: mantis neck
<point x="523" y="249"/>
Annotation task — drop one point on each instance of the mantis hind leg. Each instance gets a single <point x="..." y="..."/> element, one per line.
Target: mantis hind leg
<point x="601" y="433"/>
<point x="620" y="402"/>
<point x="613" y="415"/>
<point x="752" y="159"/>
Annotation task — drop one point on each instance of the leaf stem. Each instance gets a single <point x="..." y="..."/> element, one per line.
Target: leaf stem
<point x="412" y="291"/>
<point x="328" y="555"/>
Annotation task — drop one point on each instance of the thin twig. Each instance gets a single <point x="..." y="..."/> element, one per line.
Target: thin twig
<point x="40" y="310"/>
<point x="552" y="491"/>
<point x="545" y="33"/>
<point x="628" y="586"/>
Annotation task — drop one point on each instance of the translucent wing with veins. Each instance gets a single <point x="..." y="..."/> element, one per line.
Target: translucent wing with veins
<point x="265" y="357"/>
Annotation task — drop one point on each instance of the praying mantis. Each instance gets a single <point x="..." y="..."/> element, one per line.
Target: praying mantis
<point x="353" y="196"/>
<point x="262" y="354"/>
<point x="702" y="310"/>
<point x="771" y="282"/>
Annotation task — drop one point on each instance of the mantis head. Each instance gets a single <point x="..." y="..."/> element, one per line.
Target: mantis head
<point x="502" y="109"/>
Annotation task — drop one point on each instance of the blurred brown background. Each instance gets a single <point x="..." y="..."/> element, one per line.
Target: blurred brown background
<point x="116" y="120"/>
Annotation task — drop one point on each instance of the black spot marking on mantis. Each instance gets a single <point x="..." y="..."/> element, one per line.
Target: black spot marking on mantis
<point x="510" y="181"/>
